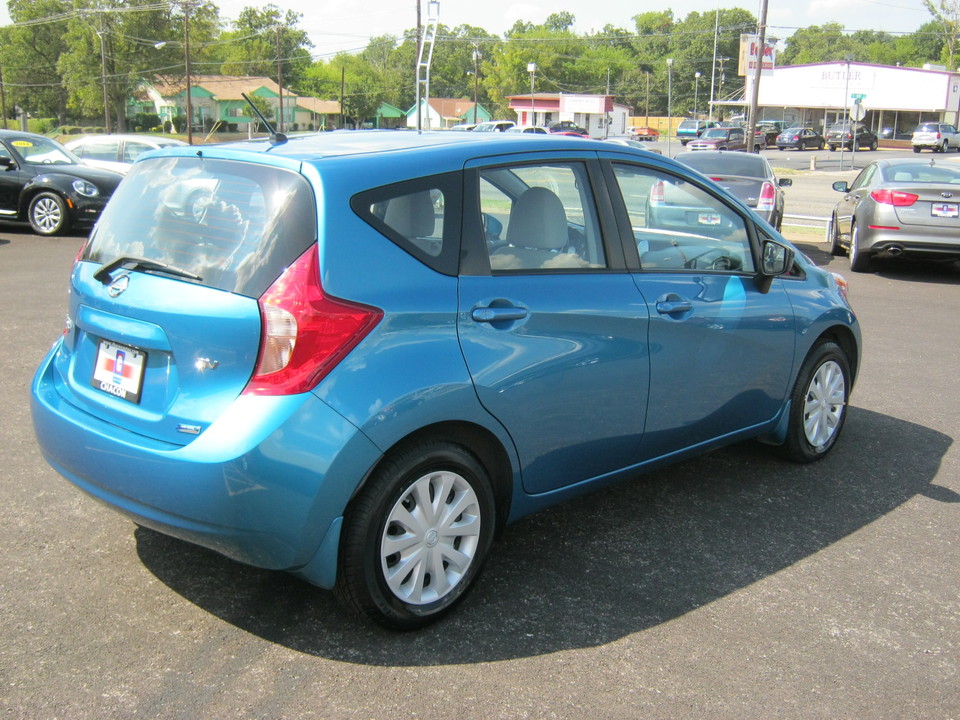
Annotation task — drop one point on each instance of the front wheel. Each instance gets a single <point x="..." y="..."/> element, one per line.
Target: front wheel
<point x="836" y="249"/>
<point x="818" y="404"/>
<point x="859" y="260"/>
<point x="48" y="214"/>
<point x="415" y="539"/>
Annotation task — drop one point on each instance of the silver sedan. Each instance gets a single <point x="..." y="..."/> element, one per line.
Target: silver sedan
<point x="899" y="207"/>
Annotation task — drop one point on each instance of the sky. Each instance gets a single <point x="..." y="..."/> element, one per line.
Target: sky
<point x="345" y="25"/>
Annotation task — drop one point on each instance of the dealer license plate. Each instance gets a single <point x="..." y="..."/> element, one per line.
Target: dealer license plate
<point x="119" y="370"/>
<point x="947" y="210"/>
<point x="709" y="219"/>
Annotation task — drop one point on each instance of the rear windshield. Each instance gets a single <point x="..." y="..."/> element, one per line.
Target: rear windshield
<point x="726" y="164"/>
<point x="688" y="124"/>
<point x="236" y="225"/>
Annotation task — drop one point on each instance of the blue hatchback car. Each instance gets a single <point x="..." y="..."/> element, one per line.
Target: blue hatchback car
<point x="355" y="356"/>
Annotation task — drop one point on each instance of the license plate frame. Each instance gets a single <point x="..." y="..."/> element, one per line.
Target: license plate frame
<point x="945" y="210"/>
<point x="118" y="370"/>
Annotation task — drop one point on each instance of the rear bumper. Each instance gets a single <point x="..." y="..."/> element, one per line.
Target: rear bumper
<point x="909" y="242"/>
<point x="261" y="485"/>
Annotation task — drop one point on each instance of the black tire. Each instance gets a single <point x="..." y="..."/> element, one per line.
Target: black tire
<point x="916" y="148"/>
<point x="831" y="148"/>
<point x="860" y="262"/>
<point x="818" y="403"/>
<point x="48" y="214"/>
<point x="945" y="148"/>
<point x="836" y="249"/>
<point x="387" y="507"/>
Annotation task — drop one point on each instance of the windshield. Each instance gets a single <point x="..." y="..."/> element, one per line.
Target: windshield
<point x="234" y="225"/>
<point x="922" y="173"/>
<point x="41" y="151"/>
<point x="714" y="133"/>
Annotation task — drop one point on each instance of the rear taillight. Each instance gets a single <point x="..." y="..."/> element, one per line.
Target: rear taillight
<point x="304" y="333"/>
<point x="768" y="197"/>
<point x="897" y="198"/>
<point x="656" y="193"/>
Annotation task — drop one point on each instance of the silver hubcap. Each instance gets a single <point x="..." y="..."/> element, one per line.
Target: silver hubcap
<point x="430" y="538"/>
<point x="47" y="215"/>
<point x="824" y="404"/>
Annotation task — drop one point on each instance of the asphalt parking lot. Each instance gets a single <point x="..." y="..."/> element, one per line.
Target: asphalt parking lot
<point x="731" y="586"/>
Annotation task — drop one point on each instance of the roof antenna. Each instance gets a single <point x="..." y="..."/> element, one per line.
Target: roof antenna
<point x="275" y="137"/>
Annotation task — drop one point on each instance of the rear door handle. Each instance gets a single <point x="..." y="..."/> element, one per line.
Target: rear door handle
<point x="498" y="314"/>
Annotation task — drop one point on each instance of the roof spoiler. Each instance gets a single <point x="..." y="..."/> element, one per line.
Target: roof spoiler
<point x="275" y="137"/>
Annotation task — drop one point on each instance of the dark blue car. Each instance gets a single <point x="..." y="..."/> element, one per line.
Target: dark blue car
<point x="355" y="356"/>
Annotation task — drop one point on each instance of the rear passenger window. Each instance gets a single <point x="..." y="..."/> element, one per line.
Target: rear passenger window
<point x="422" y="216"/>
<point x="540" y="218"/>
<point x="680" y="226"/>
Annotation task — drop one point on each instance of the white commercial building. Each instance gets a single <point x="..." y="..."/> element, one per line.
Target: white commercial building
<point x="895" y="99"/>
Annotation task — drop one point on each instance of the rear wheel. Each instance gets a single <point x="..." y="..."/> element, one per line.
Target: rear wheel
<point x="818" y="404"/>
<point x="916" y="148"/>
<point x="415" y="539"/>
<point x="48" y="214"/>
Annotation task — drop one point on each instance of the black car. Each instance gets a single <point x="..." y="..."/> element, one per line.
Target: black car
<point x="43" y="183"/>
<point x="842" y="135"/>
<point x="566" y="126"/>
<point x="800" y="138"/>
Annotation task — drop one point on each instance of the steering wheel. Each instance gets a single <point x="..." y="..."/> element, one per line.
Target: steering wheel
<point x="713" y="259"/>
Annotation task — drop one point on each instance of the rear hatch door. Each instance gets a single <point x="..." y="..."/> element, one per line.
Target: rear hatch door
<point x="164" y="327"/>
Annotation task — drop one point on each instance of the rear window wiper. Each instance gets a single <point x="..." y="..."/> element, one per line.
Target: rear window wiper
<point x="134" y="263"/>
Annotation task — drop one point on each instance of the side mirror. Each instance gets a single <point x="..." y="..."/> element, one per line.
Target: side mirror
<point x="6" y="163"/>
<point x="775" y="260"/>
<point x="785" y="182"/>
<point x="841" y="186"/>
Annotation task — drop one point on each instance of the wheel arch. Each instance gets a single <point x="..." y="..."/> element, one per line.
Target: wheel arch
<point x="480" y="442"/>
<point x="844" y="337"/>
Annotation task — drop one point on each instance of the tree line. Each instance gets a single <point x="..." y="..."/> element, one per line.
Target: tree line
<point x="64" y="59"/>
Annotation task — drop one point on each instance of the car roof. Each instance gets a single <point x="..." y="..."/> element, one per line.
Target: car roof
<point x="317" y="146"/>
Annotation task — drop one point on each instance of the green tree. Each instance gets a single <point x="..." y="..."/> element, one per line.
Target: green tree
<point x="30" y="53"/>
<point x="265" y="39"/>
<point x="946" y="14"/>
<point x="115" y="43"/>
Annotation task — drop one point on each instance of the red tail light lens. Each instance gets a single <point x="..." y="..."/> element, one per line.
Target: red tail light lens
<point x="656" y="193"/>
<point x="897" y="198"/>
<point x="768" y="197"/>
<point x="304" y="333"/>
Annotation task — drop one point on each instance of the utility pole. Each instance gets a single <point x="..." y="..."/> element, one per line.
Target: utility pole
<point x="755" y="90"/>
<point x="187" y="7"/>
<point x="279" y="80"/>
<point x="103" y="66"/>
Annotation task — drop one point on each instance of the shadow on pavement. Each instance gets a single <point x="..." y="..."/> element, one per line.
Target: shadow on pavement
<point x="602" y="567"/>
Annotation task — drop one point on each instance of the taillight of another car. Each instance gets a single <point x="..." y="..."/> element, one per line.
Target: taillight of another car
<point x="897" y="198"/>
<point x="768" y="198"/>
<point x="656" y="193"/>
<point x="304" y="332"/>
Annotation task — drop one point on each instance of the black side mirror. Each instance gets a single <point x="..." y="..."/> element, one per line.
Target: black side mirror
<point x="6" y="163"/>
<point x="785" y="182"/>
<point x="841" y="186"/>
<point x="775" y="260"/>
